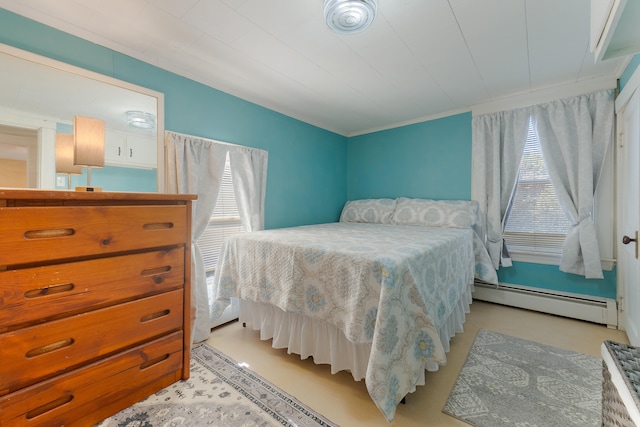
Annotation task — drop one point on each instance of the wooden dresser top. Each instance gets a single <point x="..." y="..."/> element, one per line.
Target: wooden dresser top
<point x="70" y="195"/>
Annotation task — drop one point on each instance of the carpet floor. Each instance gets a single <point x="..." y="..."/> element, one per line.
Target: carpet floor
<point x="508" y="381"/>
<point x="218" y="393"/>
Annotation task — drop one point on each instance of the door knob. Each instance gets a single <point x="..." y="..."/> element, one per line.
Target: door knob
<point x="626" y="240"/>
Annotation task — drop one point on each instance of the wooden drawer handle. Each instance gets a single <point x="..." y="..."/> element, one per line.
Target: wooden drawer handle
<point x="49" y="406"/>
<point x="152" y="362"/>
<point x="156" y="315"/>
<point x="38" y="351"/>
<point x="49" y="290"/>
<point x="47" y="234"/>
<point x="157" y="226"/>
<point x="156" y="272"/>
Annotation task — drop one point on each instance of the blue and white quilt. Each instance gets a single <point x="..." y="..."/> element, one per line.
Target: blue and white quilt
<point x="392" y="286"/>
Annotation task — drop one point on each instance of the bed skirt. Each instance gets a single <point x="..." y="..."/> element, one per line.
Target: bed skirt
<point x="326" y="343"/>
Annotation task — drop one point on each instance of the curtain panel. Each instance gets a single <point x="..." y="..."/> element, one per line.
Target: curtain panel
<point x="575" y="134"/>
<point x="195" y="166"/>
<point x="249" y="175"/>
<point x="498" y="143"/>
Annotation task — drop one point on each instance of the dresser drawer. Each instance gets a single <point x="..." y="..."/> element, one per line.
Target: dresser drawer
<point x="39" y="351"/>
<point x="94" y="392"/>
<point x="39" y="234"/>
<point x="37" y="294"/>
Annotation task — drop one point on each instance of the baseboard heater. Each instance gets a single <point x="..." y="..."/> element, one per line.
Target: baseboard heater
<point x="576" y="306"/>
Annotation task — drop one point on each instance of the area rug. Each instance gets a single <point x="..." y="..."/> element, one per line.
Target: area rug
<point x="218" y="393"/>
<point x="508" y="381"/>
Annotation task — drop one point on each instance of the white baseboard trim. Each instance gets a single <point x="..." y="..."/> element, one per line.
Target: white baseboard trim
<point x="576" y="306"/>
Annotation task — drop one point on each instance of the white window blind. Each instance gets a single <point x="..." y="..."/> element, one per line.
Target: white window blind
<point x="224" y="222"/>
<point x="536" y="222"/>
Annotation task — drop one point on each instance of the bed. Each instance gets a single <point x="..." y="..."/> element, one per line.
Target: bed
<point x="379" y="293"/>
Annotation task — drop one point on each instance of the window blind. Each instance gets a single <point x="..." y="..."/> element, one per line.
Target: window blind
<point x="536" y="222"/>
<point x="224" y="222"/>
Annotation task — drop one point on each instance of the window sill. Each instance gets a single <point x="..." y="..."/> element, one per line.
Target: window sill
<point x="550" y="258"/>
<point x="535" y="257"/>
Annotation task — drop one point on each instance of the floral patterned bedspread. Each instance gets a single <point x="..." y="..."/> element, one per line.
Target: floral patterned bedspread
<point x="390" y="285"/>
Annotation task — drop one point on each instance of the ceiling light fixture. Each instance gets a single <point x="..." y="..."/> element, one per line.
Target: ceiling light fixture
<point x="141" y="120"/>
<point x="349" y="16"/>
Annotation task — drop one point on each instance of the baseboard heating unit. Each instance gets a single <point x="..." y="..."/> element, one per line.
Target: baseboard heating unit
<point x="576" y="306"/>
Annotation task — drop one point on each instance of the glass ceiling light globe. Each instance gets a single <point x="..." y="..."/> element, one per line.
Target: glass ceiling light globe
<point x="349" y="16"/>
<point x="141" y="120"/>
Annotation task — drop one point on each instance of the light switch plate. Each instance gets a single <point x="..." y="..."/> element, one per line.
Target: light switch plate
<point x="60" y="181"/>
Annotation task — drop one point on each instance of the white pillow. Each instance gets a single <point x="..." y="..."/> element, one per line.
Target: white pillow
<point x="436" y="213"/>
<point x="376" y="211"/>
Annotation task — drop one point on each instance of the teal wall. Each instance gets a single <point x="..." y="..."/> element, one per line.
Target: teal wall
<point x="550" y="277"/>
<point x="628" y="72"/>
<point x="114" y="178"/>
<point x="307" y="172"/>
<point x="428" y="160"/>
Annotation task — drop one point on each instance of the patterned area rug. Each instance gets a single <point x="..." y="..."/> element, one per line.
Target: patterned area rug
<point x="508" y="381"/>
<point x="218" y="393"/>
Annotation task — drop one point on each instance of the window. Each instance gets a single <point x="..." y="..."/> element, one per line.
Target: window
<point x="224" y="222"/>
<point x="536" y="222"/>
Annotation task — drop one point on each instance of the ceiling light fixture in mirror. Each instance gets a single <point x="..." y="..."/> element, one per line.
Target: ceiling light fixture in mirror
<point x="141" y="120"/>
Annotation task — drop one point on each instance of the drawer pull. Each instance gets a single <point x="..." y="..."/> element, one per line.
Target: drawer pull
<point x="156" y="273"/>
<point x="38" y="351"/>
<point x="152" y="362"/>
<point x="49" y="290"/>
<point x="47" y="234"/>
<point x="157" y="226"/>
<point x="156" y="315"/>
<point x="49" y="406"/>
<point x="155" y="270"/>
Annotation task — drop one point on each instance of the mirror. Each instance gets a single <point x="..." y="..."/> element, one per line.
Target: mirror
<point x="39" y="98"/>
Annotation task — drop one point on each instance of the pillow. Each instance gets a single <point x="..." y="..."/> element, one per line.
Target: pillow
<point x="376" y="211"/>
<point x="437" y="213"/>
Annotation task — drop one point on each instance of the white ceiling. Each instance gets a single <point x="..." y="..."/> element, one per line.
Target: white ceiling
<point x="420" y="58"/>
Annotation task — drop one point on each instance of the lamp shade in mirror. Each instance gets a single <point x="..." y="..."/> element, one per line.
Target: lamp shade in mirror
<point x="64" y="155"/>
<point x="88" y="134"/>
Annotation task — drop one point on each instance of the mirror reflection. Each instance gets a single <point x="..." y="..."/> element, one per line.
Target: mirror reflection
<point x="39" y="99"/>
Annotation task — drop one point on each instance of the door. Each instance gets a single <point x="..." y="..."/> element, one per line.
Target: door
<point x="629" y="224"/>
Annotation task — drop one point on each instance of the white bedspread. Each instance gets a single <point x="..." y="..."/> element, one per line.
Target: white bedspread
<point x="389" y="285"/>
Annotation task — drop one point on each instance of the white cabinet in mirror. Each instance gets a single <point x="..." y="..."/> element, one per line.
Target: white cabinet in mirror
<point x="129" y="150"/>
<point x="42" y="96"/>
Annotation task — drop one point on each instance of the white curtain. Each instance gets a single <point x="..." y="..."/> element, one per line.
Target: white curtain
<point x="195" y="166"/>
<point x="249" y="175"/>
<point x="498" y="143"/>
<point x="575" y="134"/>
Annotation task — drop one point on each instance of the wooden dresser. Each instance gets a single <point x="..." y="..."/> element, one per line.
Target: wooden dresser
<point x="94" y="302"/>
